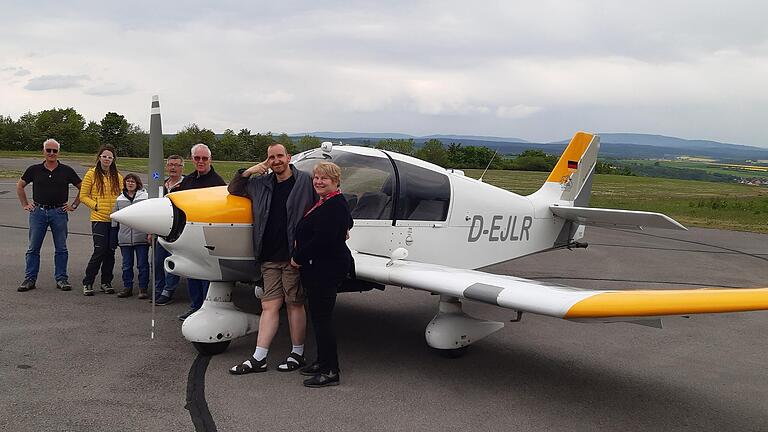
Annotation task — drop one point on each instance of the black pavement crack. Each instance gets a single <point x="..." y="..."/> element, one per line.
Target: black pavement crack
<point x="196" y="403"/>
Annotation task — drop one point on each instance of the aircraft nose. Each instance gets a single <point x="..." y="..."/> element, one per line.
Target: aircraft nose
<point x="152" y="216"/>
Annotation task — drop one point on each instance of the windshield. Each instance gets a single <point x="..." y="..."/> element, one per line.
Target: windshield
<point x="367" y="181"/>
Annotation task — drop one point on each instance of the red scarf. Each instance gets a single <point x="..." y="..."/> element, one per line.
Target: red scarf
<point x="322" y="200"/>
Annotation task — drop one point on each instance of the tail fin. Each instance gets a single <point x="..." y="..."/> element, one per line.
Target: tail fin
<point x="566" y="194"/>
<point x="571" y="180"/>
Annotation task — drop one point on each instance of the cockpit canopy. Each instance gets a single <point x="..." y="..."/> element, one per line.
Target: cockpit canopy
<point x="383" y="186"/>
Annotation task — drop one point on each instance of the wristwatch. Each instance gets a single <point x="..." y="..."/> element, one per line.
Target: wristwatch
<point x="74" y="206"/>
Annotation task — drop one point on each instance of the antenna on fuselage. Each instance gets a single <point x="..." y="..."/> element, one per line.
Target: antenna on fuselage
<point x="489" y="165"/>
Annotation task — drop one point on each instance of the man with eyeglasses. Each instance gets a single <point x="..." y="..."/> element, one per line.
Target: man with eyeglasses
<point x="204" y="176"/>
<point x="166" y="283"/>
<point x="49" y="208"/>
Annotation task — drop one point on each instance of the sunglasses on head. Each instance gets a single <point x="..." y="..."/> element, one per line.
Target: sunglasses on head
<point x="200" y="158"/>
<point x="52" y="150"/>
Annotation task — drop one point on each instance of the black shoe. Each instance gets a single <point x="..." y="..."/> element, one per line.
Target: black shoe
<point x="63" y="285"/>
<point x="249" y="366"/>
<point x="106" y="288"/>
<point x="126" y="292"/>
<point x="323" y="380"/>
<point x="311" y="370"/>
<point x="163" y="300"/>
<point x="28" y="284"/>
<point x="186" y="314"/>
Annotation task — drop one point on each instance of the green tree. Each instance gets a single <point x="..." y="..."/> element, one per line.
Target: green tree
<point x="114" y="131"/>
<point x="307" y="142"/>
<point x="534" y="160"/>
<point x="65" y="125"/>
<point x="260" y="145"/>
<point x="138" y="141"/>
<point x="472" y="157"/>
<point x="10" y="136"/>
<point x="228" y="147"/>
<point x="190" y="135"/>
<point x="29" y="136"/>
<point x="433" y="151"/>
<point x="90" y="139"/>
<point x="402" y="146"/>
<point x="246" y="145"/>
<point x="287" y="142"/>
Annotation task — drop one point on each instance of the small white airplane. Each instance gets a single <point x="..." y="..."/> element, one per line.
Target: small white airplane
<point x="420" y="226"/>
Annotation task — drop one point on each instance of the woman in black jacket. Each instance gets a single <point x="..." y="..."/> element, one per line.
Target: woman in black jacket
<point x="324" y="262"/>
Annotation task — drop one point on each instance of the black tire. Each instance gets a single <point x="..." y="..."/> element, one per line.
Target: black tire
<point x="453" y="353"/>
<point x="211" y="348"/>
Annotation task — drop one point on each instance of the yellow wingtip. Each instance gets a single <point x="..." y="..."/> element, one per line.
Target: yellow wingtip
<point x="669" y="302"/>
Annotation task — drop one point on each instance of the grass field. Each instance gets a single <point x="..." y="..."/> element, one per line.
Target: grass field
<point x="226" y="169"/>
<point x="710" y="167"/>
<point x="692" y="203"/>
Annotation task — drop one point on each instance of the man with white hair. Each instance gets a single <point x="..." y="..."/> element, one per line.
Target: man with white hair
<point x="49" y="208"/>
<point x="204" y="176"/>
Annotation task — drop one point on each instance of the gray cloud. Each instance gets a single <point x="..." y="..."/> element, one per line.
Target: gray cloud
<point x="534" y="70"/>
<point x="53" y="82"/>
<point x="109" y="89"/>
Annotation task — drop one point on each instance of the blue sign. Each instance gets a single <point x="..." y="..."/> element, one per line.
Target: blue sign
<point x="155" y="175"/>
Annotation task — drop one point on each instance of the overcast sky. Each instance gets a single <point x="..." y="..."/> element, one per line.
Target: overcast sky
<point x="537" y="70"/>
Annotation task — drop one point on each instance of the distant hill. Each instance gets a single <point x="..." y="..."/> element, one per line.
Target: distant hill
<point x="613" y="145"/>
<point x="379" y="136"/>
<point x="629" y="145"/>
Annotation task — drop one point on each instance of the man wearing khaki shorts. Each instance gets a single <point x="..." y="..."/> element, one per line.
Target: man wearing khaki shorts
<point x="279" y="201"/>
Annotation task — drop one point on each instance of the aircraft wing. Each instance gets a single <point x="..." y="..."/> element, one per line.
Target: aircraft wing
<point x="616" y="218"/>
<point x="556" y="300"/>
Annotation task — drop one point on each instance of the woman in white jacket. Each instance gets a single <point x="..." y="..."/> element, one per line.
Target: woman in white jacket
<point x="132" y="242"/>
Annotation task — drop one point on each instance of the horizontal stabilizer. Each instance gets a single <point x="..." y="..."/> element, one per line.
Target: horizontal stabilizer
<point x="616" y="218"/>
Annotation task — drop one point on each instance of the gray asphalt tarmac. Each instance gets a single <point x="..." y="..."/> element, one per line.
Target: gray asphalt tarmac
<point x="75" y="363"/>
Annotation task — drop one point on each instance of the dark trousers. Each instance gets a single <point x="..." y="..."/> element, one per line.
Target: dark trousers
<point x="165" y="283"/>
<point x="321" y="294"/>
<point x="103" y="255"/>
<point x="198" y="290"/>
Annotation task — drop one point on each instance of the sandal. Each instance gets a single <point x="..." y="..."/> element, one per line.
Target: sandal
<point x="249" y="366"/>
<point x="293" y="362"/>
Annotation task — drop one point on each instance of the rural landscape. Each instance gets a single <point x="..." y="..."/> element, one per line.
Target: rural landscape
<point x="699" y="183"/>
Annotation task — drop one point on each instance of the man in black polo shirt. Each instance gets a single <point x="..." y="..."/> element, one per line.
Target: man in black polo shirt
<point x="50" y="193"/>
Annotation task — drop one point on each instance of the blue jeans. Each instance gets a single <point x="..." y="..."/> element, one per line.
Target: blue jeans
<point x="39" y="221"/>
<point x="165" y="283"/>
<point x="198" y="289"/>
<point x="142" y="263"/>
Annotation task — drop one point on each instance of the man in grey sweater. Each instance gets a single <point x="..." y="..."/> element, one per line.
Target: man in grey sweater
<point x="279" y="201"/>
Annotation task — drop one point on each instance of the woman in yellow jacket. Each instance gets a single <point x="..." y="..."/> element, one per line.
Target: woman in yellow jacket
<point x="100" y="188"/>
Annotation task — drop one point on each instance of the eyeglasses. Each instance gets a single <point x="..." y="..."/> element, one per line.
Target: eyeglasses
<point x="51" y="150"/>
<point x="200" y="158"/>
<point x="174" y="165"/>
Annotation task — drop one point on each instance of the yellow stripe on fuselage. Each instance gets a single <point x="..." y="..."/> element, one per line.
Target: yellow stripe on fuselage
<point x="669" y="302"/>
<point x="573" y="152"/>
<point x="213" y="205"/>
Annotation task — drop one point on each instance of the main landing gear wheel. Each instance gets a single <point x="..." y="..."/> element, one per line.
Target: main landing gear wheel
<point x="453" y="353"/>
<point x="211" y="348"/>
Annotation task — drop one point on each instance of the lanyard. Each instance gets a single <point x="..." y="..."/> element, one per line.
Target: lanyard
<point x="322" y="200"/>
